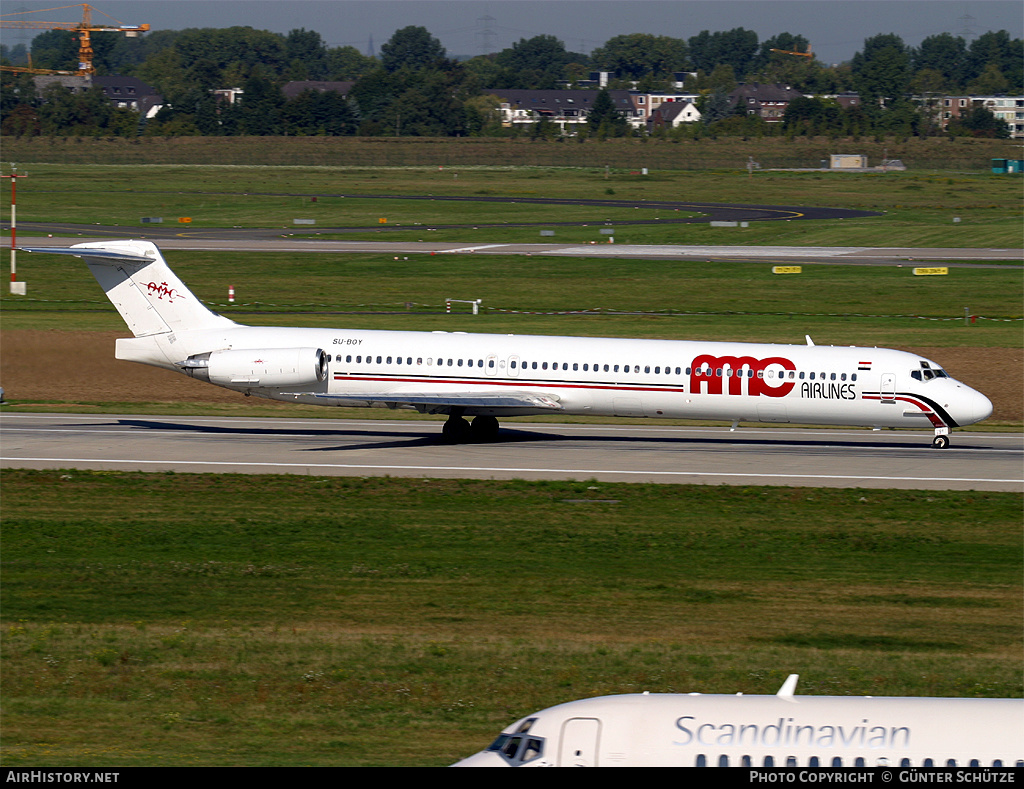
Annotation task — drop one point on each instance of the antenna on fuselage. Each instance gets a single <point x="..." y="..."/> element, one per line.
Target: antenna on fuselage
<point x="788" y="687"/>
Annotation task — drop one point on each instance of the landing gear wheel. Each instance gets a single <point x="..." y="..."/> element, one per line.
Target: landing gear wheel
<point x="456" y="430"/>
<point x="484" y="428"/>
<point x="940" y="442"/>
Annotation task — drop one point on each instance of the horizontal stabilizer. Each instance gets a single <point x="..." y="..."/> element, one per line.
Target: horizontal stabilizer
<point x="92" y="254"/>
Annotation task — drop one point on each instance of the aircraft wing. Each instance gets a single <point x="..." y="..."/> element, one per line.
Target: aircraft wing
<point x="509" y="400"/>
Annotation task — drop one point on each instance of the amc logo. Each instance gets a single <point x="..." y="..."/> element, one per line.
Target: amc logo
<point x="708" y="373"/>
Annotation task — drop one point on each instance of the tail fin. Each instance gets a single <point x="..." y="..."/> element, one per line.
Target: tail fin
<point x="150" y="298"/>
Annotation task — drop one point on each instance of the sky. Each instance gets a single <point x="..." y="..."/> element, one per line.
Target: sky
<point x="835" y="28"/>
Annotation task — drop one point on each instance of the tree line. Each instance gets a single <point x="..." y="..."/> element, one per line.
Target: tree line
<point x="413" y="88"/>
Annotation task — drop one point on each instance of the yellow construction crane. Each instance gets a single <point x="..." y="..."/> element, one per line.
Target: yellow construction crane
<point x="83" y="28"/>
<point x="807" y="54"/>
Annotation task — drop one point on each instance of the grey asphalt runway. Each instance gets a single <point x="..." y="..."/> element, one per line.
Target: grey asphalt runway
<point x="803" y="255"/>
<point x="638" y="452"/>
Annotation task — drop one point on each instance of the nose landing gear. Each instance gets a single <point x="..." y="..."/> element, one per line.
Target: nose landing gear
<point x="941" y="440"/>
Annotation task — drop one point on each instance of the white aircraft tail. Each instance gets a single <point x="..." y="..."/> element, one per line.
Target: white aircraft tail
<point x="149" y="296"/>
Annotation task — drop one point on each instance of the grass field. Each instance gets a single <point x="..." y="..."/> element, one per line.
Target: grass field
<point x="229" y="620"/>
<point x="947" y="155"/>
<point x="288" y="621"/>
<point x="919" y="208"/>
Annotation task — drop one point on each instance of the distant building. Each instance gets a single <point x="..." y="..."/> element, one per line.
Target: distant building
<point x="1009" y="109"/>
<point x="227" y="95"/>
<point x="565" y="108"/>
<point x="124" y="92"/>
<point x="293" y="89"/>
<point x="672" y="114"/>
<point x="766" y="101"/>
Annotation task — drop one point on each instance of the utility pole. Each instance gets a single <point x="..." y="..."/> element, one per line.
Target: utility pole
<point x="17" y="288"/>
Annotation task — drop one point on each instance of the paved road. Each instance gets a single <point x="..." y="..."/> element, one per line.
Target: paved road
<point x="639" y="452"/>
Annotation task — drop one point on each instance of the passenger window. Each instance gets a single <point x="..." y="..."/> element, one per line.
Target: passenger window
<point x="348" y="358"/>
<point x="490" y="363"/>
<point x="378" y="360"/>
<point x="746" y="761"/>
<point x="769" y="761"/>
<point x="837" y="761"/>
<point x="814" y="761"/>
<point x="450" y="362"/>
<point x="702" y="760"/>
<point x="853" y="376"/>
<point x="723" y="760"/>
<point x="832" y="377"/>
<point x="790" y="761"/>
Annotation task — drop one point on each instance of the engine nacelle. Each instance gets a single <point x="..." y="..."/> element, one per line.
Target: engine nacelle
<point x="259" y="367"/>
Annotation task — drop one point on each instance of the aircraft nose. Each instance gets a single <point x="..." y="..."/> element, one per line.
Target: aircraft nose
<point x="982" y="407"/>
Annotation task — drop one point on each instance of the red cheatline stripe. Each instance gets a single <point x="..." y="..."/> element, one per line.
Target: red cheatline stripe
<point x="485" y="382"/>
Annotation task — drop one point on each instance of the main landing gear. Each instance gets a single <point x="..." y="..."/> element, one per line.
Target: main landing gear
<point x="457" y="430"/>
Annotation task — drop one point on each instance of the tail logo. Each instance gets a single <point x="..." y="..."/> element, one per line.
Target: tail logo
<point x="162" y="290"/>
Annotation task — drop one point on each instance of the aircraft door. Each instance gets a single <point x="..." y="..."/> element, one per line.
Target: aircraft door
<point x="888" y="388"/>
<point x="513" y="366"/>
<point x="578" y="747"/>
<point x="491" y="365"/>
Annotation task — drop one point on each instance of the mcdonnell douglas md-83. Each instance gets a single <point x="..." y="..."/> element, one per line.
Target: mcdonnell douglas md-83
<point x="486" y="376"/>
<point x="784" y="730"/>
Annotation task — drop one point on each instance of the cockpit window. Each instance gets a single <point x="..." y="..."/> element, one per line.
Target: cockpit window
<point x="517" y="749"/>
<point x="927" y="372"/>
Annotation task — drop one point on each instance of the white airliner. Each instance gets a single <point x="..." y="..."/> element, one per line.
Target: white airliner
<point x="695" y="730"/>
<point x="491" y="375"/>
